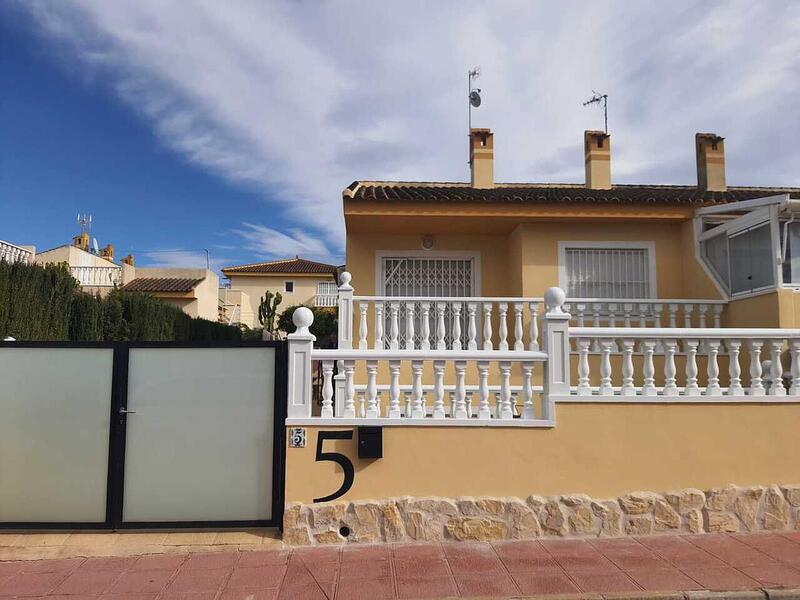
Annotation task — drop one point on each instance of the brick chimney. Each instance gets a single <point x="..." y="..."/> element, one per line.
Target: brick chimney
<point x="107" y="252"/>
<point x="481" y="158"/>
<point x="710" y="149"/>
<point x="81" y="241"/>
<point x="128" y="260"/>
<point x="597" y="156"/>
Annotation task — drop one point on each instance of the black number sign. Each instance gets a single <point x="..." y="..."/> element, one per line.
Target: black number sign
<point x="341" y="459"/>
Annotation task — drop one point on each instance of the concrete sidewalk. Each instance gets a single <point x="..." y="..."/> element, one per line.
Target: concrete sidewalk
<point x="632" y="568"/>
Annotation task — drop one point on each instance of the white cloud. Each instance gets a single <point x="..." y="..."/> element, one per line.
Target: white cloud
<point x="299" y="99"/>
<point x="182" y="259"/>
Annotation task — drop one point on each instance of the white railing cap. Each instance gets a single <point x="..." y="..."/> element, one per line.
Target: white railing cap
<point x="445" y="355"/>
<point x="682" y="333"/>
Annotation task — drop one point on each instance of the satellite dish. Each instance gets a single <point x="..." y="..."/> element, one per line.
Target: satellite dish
<point x="475" y="98"/>
<point x="95" y="247"/>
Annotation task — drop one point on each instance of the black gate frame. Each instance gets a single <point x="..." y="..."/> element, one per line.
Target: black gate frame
<point x="117" y="436"/>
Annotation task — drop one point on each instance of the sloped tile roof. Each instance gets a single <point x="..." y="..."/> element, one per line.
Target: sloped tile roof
<point x="161" y="284"/>
<point x="534" y="193"/>
<point x="289" y="265"/>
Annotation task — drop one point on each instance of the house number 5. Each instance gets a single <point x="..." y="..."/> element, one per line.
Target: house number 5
<point x="337" y="457"/>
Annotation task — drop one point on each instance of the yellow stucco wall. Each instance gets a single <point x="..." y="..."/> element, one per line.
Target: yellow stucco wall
<point x="603" y="450"/>
<point x="305" y="288"/>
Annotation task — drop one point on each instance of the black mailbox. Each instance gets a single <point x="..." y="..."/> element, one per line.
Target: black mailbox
<point x="370" y="442"/>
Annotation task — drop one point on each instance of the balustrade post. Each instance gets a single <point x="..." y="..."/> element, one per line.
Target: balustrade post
<point x="713" y="389"/>
<point x="461" y="398"/>
<point x="484" y="412"/>
<point x="327" y="390"/>
<point x="673" y="315"/>
<point x="417" y="410"/>
<point x="505" y="390"/>
<point x="299" y="385"/>
<point x="487" y="326"/>
<point x="394" y="389"/>
<point x="734" y="369"/>
<point x="472" y="328"/>
<point x="440" y="331"/>
<point x="657" y="310"/>
<point x="670" y="388"/>
<point x="394" y="325"/>
<point x="456" y="325"/>
<point x="794" y="349"/>
<point x="372" y="390"/>
<point x="410" y="325"/>
<point x="349" y="390"/>
<point x="533" y="332"/>
<point x="425" y="310"/>
<point x="687" y="315"/>
<point x="690" y="347"/>
<point x="438" y="402"/>
<point x="363" y="305"/>
<point x="379" y="344"/>
<point x="777" y="389"/>
<point x="702" y="310"/>
<point x="503" y="325"/>
<point x="519" y="343"/>
<point x="606" y="389"/>
<point x="628" y="388"/>
<point x="627" y="309"/>
<point x="718" y="315"/>
<point x="584" y="389"/>
<point x="557" y="347"/>
<point x="527" y="390"/>
<point x="649" y="370"/>
<point x="643" y="315"/>
<point x="345" y="334"/>
<point x="756" y="383"/>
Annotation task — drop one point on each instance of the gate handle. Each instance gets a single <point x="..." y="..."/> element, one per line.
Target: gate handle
<point x="124" y="411"/>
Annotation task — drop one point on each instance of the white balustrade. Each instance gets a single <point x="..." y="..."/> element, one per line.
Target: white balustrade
<point x="11" y="253"/>
<point x="97" y="276"/>
<point x="636" y="379"/>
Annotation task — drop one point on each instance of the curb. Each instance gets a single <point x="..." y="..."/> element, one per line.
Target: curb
<point x="759" y="594"/>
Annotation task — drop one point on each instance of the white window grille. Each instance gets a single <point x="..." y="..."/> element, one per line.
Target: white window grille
<point x="427" y="277"/>
<point x="327" y="288"/>
<point x="607" y="272"/>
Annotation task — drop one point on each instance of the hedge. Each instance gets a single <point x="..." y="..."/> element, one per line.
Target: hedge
<point x="45" y="303"/>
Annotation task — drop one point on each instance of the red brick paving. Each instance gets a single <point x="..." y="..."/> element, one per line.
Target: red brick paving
<point x="601" y="566"/>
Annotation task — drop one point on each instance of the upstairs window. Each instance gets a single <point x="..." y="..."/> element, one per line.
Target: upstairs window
<point x="288" y="287"/>
<point x="607" y="270"/>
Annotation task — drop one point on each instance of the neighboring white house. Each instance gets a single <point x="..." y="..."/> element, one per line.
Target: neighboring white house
<point x="298" y="280"/>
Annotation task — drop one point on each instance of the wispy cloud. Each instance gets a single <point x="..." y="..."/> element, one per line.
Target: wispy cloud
<point x="299" y="99"/>
<point x="185" y="259"/>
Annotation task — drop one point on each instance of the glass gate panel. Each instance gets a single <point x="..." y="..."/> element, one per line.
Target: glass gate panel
<point x="200" y="434"/>
<point x="55" y="413"/>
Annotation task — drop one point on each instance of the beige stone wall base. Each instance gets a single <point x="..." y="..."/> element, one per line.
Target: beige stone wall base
<point x="727" y="509"/>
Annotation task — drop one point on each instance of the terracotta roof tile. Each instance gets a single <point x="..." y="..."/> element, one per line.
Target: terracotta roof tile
<point x="161" y="284"/>
<point x="289" y="265"/>
<point x="530" y="193"/>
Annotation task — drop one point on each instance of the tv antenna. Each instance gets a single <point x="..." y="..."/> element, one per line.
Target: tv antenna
<point x="85" y="223"/>
<point x="474" y="99"/>
<point x="597" y="99"/>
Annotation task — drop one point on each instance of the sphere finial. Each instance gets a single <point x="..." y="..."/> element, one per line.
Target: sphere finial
<point x="344" y="280"/>
<point x="554" y="299"/>
<point x="302" y="319"/>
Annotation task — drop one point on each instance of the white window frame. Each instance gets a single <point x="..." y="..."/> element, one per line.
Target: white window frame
<point x="285" y="282"/>
<point x="331" y="284"/>
<point x="475" y="257"/>
<point x="648" y="245"/>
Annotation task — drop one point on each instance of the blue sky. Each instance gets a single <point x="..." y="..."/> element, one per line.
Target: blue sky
<point x="234" y="126"/>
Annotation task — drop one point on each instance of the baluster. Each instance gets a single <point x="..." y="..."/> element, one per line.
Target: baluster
<point x="657" y="310"/>
<point x="702" y="309"/>
<point x="472" y="329"/>
<point x="425" y="309"/>
<point x="756" y="384"/>
<point x="410" y="325"/>
<point x="734" y="370"/>
<point x="519" y="343"/>
<point x="484" y="411"/>
<point x="394" y="389"/>
<point x="417" y="410"/>
<point x="794" y="349"/>
<point x="372" y="389"/>
<point x="327" y="389"/>
<point x="533" y="342"/>
<point x="452" y="398"/>
<point x="687" y="315"/>
<point x="718" y="315"/>
<point x="597" y="308"/>
<point x="584" y="389"/>
<point x="627" y="368"/>
<point x="643" y="314"/>
<point x="627" y="309"/>
<point x="527" y="390"/>
<point x="438" y="387"/>
<point x="514" y="407"/>
<point x="649" y="369"/>
<point x="777" y="389"/>
<point x="469" y="404"/>
<point x="670" y="389"/>
<point x="505" y="390"/>
<point x="407" y="404"/>
<point x="690" y="347"/>
<point x="440" y="331"/>
<point x="612" y="315"/>
<point x="581" y="310"/>
<point x="394" y="328"/>
<point x="673" y="315"/>
<point x="362" y="324"/>
<point x="503" y="330"/>
<point x="379" y="343"/>
<point x="456" y="325"/>
<point x="487" y="326"/>
<point x="461" y="405"/>
<point x="362" y="411"/>
<point x="349" y="390"/>
<point x="606" y="389"/>
<point x="712" y="349"/>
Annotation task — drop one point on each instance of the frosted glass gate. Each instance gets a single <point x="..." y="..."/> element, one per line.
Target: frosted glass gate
<point x="134" y="435"/>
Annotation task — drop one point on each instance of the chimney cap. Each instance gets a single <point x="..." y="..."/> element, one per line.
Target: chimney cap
<point x="596" y="133"/>
<point x="709" y="136"/>
<point x="480" y="130"/>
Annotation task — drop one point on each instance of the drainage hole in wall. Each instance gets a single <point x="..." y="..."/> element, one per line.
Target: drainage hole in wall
<point x="344" y="531"/>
